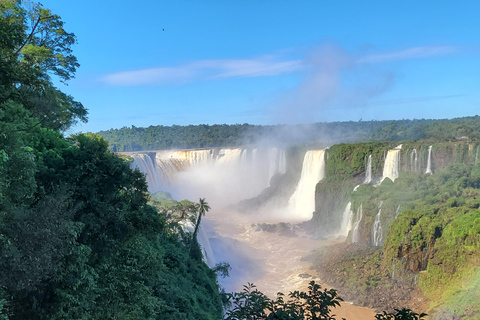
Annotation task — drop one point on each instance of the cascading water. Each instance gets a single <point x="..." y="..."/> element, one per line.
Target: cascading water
<point x="377" y="236"/>
<point x="347" y="220"/>
<point x="206" y="248"/>
<point x="276" y="161"/>
<point x="414" y="160"/>
<point x="302" y="202"/>
<point x="392" y="164"/>
<point x="429" y="161"/>
<point x="355" y="234"/>
<point x="147" y="165"/>
<point x="368" y="170"/>
<point x="188" y="173"/>
<point x="397" y="212"/>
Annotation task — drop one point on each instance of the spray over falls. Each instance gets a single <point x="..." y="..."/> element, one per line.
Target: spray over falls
<point x="236" y="173"/>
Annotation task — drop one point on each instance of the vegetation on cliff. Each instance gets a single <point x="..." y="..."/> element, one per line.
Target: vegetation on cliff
<point x="429" y="228"/>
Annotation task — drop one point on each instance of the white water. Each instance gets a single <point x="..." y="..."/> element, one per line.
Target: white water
<point x="377" y="228"/>
<point x="221" y="175"/>
<point x="145" y="164"/>
<point x="302" y="202"/>
<point x="391" y="168"/>
<point x="356" y="226"/>
<point x="347" y="220"/>
<point x="368" y="171"/>
<point x="414" y="160"/>
<point x="429" y="161"/>
<point x="277" y="162"/>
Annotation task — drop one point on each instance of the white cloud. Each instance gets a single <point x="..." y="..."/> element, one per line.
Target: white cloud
<point x="203" y="70"/>
<point x="409" y="53"/>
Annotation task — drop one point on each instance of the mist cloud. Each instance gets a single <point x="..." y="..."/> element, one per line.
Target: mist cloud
<point x="338" y="81"/>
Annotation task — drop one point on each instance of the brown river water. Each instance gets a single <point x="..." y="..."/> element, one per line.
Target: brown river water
<point x="269" y="260"/>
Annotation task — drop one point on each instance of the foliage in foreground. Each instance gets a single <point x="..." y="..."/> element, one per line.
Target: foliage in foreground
<point x="77" y="237"/>
<point x="315" y="304"/>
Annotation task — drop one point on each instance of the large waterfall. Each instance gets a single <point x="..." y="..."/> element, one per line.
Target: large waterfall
<point x="223" y="176"/>
<point x="392" y="164"/>
<point x="302" y="202"/>
<point x="147" y="165"/>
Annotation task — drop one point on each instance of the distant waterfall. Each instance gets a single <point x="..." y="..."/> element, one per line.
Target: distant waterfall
<point x="192" y="157"/>
<point x="397" y="211"/>
<point x="229" y="156"/>
<point x="277" y="162"/>
<point x="368" y="171"/>
<point x="302" y="202"/>
<point x="347" y="220"/>
<point x="476" y="156"/>
<point x="392" y="164"/>
<point x="355" y="234"/>
<point x="147" y="165"/>
<point x="244" y="171"/>
<point x="377" y="236"/>
<point x="414" y="160"/>
<point x="429" y="161"/>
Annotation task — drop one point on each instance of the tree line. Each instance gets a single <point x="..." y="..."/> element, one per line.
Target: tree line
<point x="215" y="136"/>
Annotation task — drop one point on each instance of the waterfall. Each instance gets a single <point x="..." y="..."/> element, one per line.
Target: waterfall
<point x="229" y="156"/>
<point x="414" y="160"/>
<point x="377" y="236"/>
<point x="146" y="165"/>
<point x="276" y="162"/>
<point x="368" y="170"/>
<point x="355" y="234"/>
<point x="397" y="212"/>
<point x="392" y="164"/>
<point x="429" y="161"/>
<point x="302" y="202"/>
<point x="206" y="248"/>
<point x="347" y="220"/>
<point x="476" y="156"/>
<point x="192" y="157"/>
<point x="282" y="162"/>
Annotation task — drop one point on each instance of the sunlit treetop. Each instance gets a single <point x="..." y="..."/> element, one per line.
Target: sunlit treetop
<point x="34" y="46"/>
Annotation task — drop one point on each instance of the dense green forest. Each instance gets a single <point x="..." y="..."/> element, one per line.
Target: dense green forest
<point x="77" y="237"/>
<point x="211" y="136"/>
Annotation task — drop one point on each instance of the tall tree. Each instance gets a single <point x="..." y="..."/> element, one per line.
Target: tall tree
<point x="202" y="208"/>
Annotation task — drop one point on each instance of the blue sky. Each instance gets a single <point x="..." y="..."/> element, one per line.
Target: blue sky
<point x="267" y="62"/>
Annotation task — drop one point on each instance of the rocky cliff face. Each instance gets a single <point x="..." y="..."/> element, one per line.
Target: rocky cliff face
<point x="423" y="228"/>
